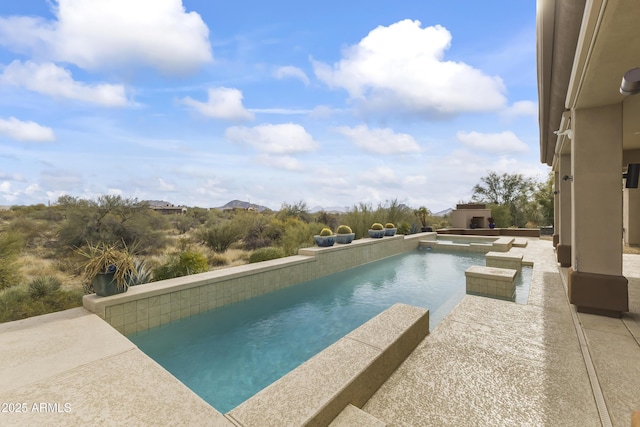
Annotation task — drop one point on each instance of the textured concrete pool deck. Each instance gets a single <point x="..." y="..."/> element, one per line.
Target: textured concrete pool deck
<point x="489" y="362"/>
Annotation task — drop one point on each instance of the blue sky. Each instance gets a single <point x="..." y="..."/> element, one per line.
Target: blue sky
<point x="201" y="102"/>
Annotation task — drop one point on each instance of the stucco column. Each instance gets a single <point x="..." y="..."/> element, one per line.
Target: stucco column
<point x="596" y="284"/>
<point x="564" y="235"/>
<point x="631" y="212"/>
<point x="556" y="208"/>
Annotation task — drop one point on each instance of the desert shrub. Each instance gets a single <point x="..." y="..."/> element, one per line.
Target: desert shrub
<point x="265" y="254"/>
<point x="217" y="260"/>
<point x="261" y="232"/>
<point x="183" y="223"/>
<point x="501" y="216"/>
<point x="18" y="304"/>
<point x="200" y="215"/>
<point x="112" y="219"/>
<point x="359" y="218"/>
<point x="11" y="244"/>
<point x="43" y="286"/>
<point x="183" y="264"/>
<point x="298" y="234"/>
<point x="330" y="219"/>
<point x="404" y="228"/>
<point x="220" y="237"/>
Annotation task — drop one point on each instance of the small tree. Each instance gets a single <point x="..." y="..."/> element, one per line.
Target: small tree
<point x="511" y="190"/>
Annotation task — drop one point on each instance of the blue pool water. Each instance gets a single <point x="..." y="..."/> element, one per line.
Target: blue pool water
<point x="229" y="354"/>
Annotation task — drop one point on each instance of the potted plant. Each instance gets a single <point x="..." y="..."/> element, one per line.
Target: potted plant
<point x="390" y="229"/>
<point x="376" y="231"/>
<point x="325" y="238"/>
<point x="492" y="223"/>
<point x="344" y="234"/>
<point x="422" y="214"/>
<point x="109" y="268"/>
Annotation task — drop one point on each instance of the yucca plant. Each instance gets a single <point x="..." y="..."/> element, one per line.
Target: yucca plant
<point x="107" y="258"/>
<point x="43" y="286"/>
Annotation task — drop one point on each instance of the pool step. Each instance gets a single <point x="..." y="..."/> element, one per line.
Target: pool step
<point x="491" y="281"/>
<point x="353" y="416"/>
<point x="520" y="243"/>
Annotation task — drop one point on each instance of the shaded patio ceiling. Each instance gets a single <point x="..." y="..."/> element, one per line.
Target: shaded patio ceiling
<point x="582" y="55"/>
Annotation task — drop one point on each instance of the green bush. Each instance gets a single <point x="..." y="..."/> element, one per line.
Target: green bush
<point x="16" y="304"/>
<point x="43" y="286"/>
<point x="344" y="229"/>
<point x="404" y="228"/>
<point x="184" y="264"/>
<point x="326" y="232"/>
<point x="265" y="254"/>
<point x="10" y="247"/>
<point x="377" y="226"/>
<point x="220" y="237"/>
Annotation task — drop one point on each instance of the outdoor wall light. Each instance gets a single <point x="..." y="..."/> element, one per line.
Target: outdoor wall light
<point x="567" y="178"/>
<point x="632" y="176"/>
<point x="630" y="82"/>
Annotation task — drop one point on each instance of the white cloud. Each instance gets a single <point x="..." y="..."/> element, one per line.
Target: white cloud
<point x="285" y="138"/>
<point x="165" y="186"/>
<point x="380" y="141"/>
<point x="101" y="34"/>
<point x="280" y="162"/>
<point x="401" y="68"/>
<point x="223" y="103"/>
<point x="504" y="142"/>
<point x="521" y="108"/>
<point x="25" y="131"/>
<point x="382" y="175"/>
<point x="285" y="111"/>
<point x="291" y="72"/>
<point x="52" y="80"/>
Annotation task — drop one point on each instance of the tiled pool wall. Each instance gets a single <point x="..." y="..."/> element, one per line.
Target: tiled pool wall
<point x="158" y="303"/>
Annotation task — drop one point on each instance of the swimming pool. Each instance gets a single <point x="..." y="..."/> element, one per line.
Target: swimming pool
<point x="229" y="354"/>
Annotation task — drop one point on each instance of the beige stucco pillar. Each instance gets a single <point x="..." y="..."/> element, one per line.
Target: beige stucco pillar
<point x="596" y="284"/>
<point x="564" y="195"/>
<point x="631" y="216"/>
<point x="556" y="207"/>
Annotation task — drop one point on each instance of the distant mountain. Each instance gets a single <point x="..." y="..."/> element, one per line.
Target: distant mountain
<point x="239" y="204"/>
<point x="444" y="212"/>
<point x="330" y="209"/>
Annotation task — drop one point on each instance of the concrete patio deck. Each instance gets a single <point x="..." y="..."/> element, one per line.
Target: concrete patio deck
<point x="489" y="362"/>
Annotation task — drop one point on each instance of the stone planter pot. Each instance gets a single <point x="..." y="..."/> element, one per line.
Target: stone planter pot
<point x="376" y="234"/>
<point x="104" y="285"/>
<point x="345" y="238"/>
<point x="324" y="241"/>
<point x="390" y="231"/>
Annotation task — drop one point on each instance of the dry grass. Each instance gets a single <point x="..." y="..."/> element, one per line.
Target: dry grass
<point x="31" y="266"/>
